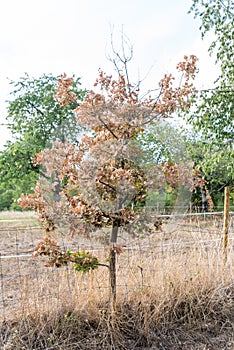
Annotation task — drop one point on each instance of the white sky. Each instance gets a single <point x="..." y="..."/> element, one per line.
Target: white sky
<point x="73" y="36"/>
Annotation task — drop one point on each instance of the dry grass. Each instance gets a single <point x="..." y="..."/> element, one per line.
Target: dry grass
<point x="173" y="293"/>
<point x="10" y="214"/>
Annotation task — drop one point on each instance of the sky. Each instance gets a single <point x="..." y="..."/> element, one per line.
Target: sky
<point x="73" y="36"/>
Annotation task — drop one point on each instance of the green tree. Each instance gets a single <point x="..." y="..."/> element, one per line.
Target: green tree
<point x="35" y="119"/>
<point x="213" y="118"/>
<point x="164" y="142"/>
<point x="214" y="114"/>
<point x="213" y="162"/>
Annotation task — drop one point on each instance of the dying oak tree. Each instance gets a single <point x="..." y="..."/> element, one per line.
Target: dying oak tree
<point x="101" y="182"/>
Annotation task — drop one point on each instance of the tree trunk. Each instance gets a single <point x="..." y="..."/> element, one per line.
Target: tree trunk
<point x="204" y="201"/>
<point x="226" y="222"/>
<point x="57" y="187"/>
<point x="112" y="256"/>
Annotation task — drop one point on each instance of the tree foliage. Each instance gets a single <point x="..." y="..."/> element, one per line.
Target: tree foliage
<point x="35" y="114"/>
<point x="213" y="115"/>
<point x="95" y="174"/>
<point x="215" y="107"/>
<point x="35" y="119"/>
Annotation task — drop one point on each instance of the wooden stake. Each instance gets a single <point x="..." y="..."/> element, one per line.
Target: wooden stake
<point x="226" y="222"/>
<point x="112" y="264"/>
<point x="112" y="272"/>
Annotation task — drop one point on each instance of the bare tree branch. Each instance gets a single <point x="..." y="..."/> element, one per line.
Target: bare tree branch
<point x="106" y="126"/>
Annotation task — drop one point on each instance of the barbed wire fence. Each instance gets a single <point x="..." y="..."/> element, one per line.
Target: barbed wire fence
<point x="184" y="243"/>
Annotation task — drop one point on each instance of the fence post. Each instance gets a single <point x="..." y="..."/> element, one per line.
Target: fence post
<point x="226" y="222"/>
<point x="2" y="289"/>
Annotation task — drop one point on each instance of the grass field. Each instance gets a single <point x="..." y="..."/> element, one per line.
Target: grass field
<point x="173" y="291"/>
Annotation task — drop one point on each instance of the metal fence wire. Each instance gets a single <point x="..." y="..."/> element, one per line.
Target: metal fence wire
<point x="185" y="245"/>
